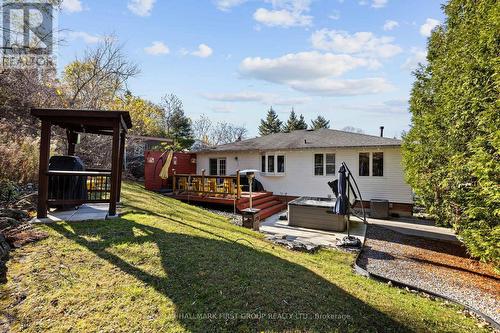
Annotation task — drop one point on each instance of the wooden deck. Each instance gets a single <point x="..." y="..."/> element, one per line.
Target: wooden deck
<point x="267" y="202"/>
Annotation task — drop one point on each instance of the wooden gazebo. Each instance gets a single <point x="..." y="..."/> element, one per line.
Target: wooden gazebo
<point x="103" y="186"/>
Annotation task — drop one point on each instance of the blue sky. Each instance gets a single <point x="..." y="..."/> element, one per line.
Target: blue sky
<point x="349" y="60"/>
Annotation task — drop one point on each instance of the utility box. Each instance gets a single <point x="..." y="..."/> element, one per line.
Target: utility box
<point x="379" y="209"/>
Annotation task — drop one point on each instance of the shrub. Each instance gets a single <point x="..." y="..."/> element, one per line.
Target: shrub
<point x="8" y="190"/>
<point x="19" y="162"/>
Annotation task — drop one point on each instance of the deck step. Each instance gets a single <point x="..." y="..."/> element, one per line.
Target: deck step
<point x="256" y="196"/>
<point x="265" y="213"/>
<point x="257" y="201"/>
<point x="267" y="204"/>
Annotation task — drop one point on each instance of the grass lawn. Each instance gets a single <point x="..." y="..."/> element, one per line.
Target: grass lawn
<point x="168" y="266"/>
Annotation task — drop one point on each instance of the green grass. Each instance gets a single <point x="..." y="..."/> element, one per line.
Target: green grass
<point x="168" y="266"/>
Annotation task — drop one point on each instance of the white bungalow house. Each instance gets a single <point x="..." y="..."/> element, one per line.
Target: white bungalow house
<point x="302" y="162"/>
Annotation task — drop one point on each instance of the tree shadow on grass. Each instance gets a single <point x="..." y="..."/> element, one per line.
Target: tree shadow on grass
<point x="221" y="285"/>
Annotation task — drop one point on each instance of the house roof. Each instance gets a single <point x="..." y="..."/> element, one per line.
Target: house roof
<point x="306" y="139"/>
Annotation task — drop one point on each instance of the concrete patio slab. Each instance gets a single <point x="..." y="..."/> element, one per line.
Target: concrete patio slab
<point x="276" y="227"/>
<point x="83" y="213"/>
<point x="415" y="227"/>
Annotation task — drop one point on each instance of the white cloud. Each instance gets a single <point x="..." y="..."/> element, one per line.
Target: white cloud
<point x="141" y="7"/>
<point x="335" y="15"/>
<point x="426" y="28"/>
<point x="390" y="24"/>
<point x="393" y="107"/>
<point x="281" y="18"/>
<point x="226" y="5"/>
<point x="333" y="87"/>
<point x="315" y="73"/>
<point x="222" y="109"/>
<point x="285" y="13"/>
<point x="360" y="43"/>
<point x="157" y="48"/>
<point x="203" y="51"/>
<point x="379" y="3"/>
<point x="417" y="56"/>
<point x="260" y="97"/>
<point x="72" y="6"/>
<point x="85" y="36"/>
<point x="302" y="66"/>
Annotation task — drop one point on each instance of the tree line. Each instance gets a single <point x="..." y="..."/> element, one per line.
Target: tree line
<point x="272" y="124"/>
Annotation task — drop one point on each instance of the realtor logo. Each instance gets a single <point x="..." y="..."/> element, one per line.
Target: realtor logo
<point x="28" y="33"/>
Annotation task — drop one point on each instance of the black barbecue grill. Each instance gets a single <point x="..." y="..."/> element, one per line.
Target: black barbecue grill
<point x="67" y="187"/>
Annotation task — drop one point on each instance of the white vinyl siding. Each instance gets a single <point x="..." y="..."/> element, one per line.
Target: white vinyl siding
<point x="299" y="179"/>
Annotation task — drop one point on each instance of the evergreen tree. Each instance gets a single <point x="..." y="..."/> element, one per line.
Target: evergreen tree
<point x="302" y="123"/>
<point x="320" y="122"/>
<point x="452" y="150"/>
<point x="271" y="124"/>
<point x="181" y="130"/>
<point x="177" y="125"/>
<point x="293" y="123"/>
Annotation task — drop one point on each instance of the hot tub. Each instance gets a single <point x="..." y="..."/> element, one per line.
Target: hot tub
<point x="315" y="213"/>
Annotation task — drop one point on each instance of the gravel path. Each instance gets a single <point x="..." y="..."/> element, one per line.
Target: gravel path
<point x="233" y="218"/>
<point x="440" y="267"/>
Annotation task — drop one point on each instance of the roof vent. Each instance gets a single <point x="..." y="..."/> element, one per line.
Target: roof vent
<point x="381" y="131"/>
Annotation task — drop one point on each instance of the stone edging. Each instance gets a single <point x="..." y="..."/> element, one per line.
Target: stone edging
<point x="361" y="271"/>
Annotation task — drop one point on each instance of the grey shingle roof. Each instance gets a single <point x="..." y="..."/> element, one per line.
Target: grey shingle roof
<point x="304" y="139"/>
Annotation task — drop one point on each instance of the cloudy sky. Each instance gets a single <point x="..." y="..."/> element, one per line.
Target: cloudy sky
<point x="348" y="60"/>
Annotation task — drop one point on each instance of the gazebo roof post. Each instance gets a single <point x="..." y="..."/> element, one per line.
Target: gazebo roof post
<point x="43" y="178"/>
<point x="115" y="172"/>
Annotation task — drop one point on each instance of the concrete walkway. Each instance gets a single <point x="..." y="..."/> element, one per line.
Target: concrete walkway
<point x="83" y="213"/>
<point x="276" y="227"/>
<point x="414" y="227"/>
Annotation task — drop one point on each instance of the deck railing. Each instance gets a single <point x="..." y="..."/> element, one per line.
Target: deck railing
<point x="204" y="185"/>
<point x="78" y="187"/>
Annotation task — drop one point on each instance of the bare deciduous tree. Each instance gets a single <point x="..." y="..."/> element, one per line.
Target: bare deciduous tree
<point x="202" y="128"/>
<point x="170" y="104"/>
<point x="212" y="134"/>
<point x="96" y="79"/>
<point x="353" y="129"/>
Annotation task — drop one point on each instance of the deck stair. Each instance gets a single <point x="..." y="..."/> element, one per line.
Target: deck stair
<point x="268" y="203"/>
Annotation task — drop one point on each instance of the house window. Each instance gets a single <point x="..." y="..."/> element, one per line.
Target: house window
<point x="213" y="167"/>
<point x="274" y="164"/>
<point x="378" y="164"/>
<point x="281" y="163"/>
<point x="318" y="164"/>
<point x="270" y="163"/>
<point x="324" y="164"/>
<point x="330" y="164"/>
<point x="222" y="167"/>
<point x="217" y="167"/>
<point x="364" y="164"/>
